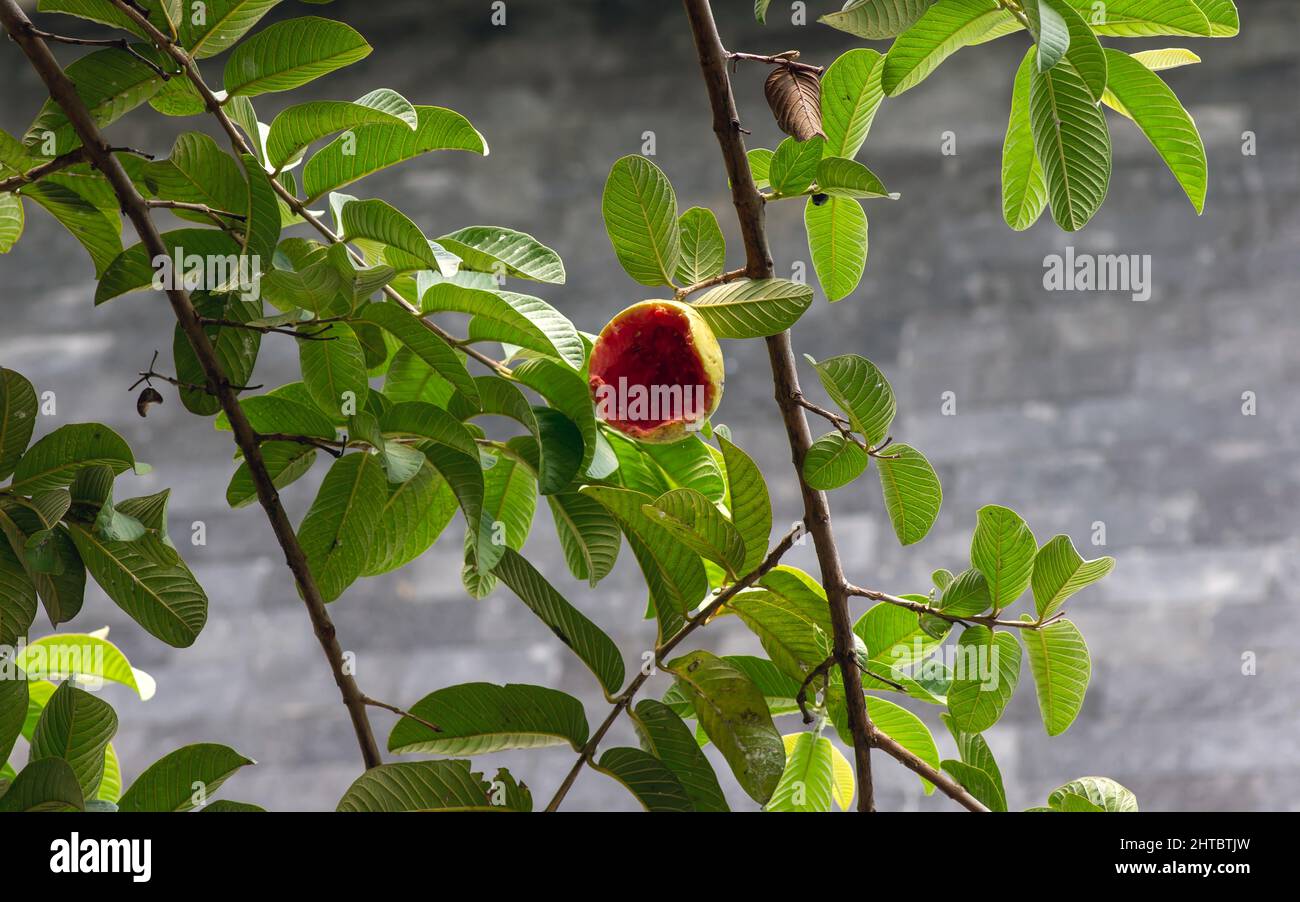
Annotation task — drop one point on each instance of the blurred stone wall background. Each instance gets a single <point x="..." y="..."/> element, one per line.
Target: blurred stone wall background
<point x="1072" y="408"/>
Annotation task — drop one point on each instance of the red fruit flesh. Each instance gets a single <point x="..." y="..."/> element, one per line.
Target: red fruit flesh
<point x="651" y="348"/>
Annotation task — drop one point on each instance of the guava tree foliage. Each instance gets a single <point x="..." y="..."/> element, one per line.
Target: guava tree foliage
<point x="417" y="421"/>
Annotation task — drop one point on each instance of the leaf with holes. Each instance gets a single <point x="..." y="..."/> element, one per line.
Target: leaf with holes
<point x="734" y="714"/>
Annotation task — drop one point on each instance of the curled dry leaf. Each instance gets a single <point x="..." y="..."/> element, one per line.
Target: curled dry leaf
<point x="795" y="98"/>
<point x="149" y="397"/>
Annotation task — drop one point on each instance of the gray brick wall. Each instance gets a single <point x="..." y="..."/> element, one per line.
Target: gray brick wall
<point x="1072" y="408"/>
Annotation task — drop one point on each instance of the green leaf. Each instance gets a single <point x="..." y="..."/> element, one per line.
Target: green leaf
<point x="653" y="783"/>
<point x="894" y="636"/>
<point x="689" y="464"/>
<point x="162" y="597"/>
<point x="288" y="54"/>
<point x="11" y="221"/>
<point x="695" y="522"/>
<point x="753" y="308"/>
<point x="110" y="82"/>
<point x="837" y="240"/>
<point x="807" y="783"/>
<point x="861" y="391"/>
<point x="640" y="211"/>
<point x="334" y="369"/>
<point x="589" y="535"/>
<point x="877" y="19"/>
<point x="987" y="670"/>
<point x="907" y="730"/>
<point x="62" y="589"/>
<point x="509" y="502"/>
<point x="1103" y="792"/>
<point x="497" y="250"/>
<point x="298" y="126"/>
<point x="17" y="594"/>
<point x="414" y="515"/>
<point x="1144" y="18"/>
<point x="236" y="350"/>
<point x="975" y="753"/>
<point x="1051" y="33"/>
<point x="666" y="737"/>
<point x="54" y="460"/>
<point x="849" y="178"/>
<point x="1072" y="142"/>
<point x="477" y="718"/>
<point x="941" y="30"/>
<point x="1003" y="549"/>
<point x="794" y="165"/>
<point x="760" y="11"/>
<point x="101" y="11"/>
<point x="566" y="390"/>
<point x="285" y="461"/>
<point x="977" y="782"/>
<point x="1058" y="659"/>
<point x="13" y="713"/>
<point x="169" y="784"/>
<point x="280" y="413"/>
<point x="514" y="318"/>
<point x="75" y="726"/>
<point x="1085" y="52"/>
<point x="1024" y="191"/>
<point x="1139" y="94"/>
<point x="912" y="492"/>
<point x="967" y="595"/>
<point x="225" y="23"/>
<point x="704" y="250"/>
<point x="86" y="656"/>
<point x="572" y="628"/>
<point x="429" y="347"/>
<point x="434" y="786"/>
<point x="378" y="146"/>
<point x="833" y="461"/>
<point x="380" y="221"/>
<point x="734" y="714"/>
<point x="1059" y="572"/>
<point x="18" y="407"/>
<point x="98" y="231"/>
<point x="342" y="520"/>
<point x="46" y="785"/>
<point x="760" y="161"/>
<point x="851" y="94"/>
<point x="198" y="171"/>
<point x="751" y="508"/>
<point x="791" y="634"/>
<point x="1222" y="16"/>
<point x="133" y="270"/>
<point x="673" y="572"/>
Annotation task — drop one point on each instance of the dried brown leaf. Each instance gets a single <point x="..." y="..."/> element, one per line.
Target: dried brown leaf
<point x="795" y="98"/>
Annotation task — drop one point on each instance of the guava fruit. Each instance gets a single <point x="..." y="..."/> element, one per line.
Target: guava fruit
<point x="656" y="371"/>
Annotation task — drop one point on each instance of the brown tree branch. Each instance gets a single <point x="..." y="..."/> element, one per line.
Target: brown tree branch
<point x="947" y="785"/>
<point x="749" y="208"/>
<point x="625" y="698"/>
<point x="65" y="95"/>
<point x="688" y="290"/>
<point x="989" y="620"/>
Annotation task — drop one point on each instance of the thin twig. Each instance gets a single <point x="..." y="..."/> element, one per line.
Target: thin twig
<point x="748" y="202"/>
<point x="64" y="93"/>
<point x="789" y="59"/>
<point x="119" y="43"/>
<point x="845" y="428"/>
<point x="375" y="703"/>
<point x="625" y="698"/>
<point x="291" y="331"/>
<point x="334" y="447"/>
<point x="195" y="208"/>
<point x="146" y="376"/>
<point x="801" y="699"/>
<point x="688" y="290"/>
<point x="989" y="620"/>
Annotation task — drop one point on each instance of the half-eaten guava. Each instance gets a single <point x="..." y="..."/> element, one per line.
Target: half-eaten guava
<point x="656" y="371"/>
